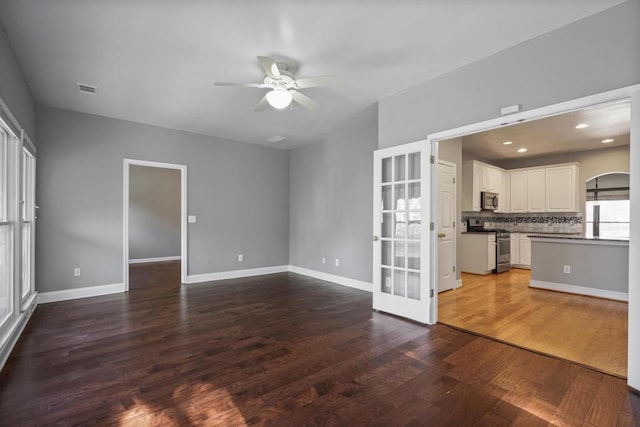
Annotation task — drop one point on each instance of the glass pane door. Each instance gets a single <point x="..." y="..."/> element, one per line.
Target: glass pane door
<point x="7" y="143"/>
<point x="400" y="282"/>
<point x="28" y="218"/>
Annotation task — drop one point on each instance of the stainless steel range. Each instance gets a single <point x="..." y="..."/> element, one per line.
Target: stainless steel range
<point x="503" y="243"/>
<point x="503" y="251"/>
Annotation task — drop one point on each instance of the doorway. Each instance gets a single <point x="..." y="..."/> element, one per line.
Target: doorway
<point x="154" y="215"/>
<point x="506" y="306"/>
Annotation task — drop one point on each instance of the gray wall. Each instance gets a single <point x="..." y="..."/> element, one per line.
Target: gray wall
<point x="592" y="265"/>
<point x="451" y="150"/>
<point x="238" y="191"/>
<point x="592" y="163"/>
<point x="154" y="212"/>
<point x="593" y="55"/>
<point x="14" y="90"/>
<point x="331" y="197"/>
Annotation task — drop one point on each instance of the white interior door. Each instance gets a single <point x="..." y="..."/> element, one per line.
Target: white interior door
<point x="402" y="179"/>
<point x="446" y="223"/>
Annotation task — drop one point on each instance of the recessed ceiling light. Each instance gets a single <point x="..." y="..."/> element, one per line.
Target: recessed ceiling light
<point x="582" y="125"/>
<point x="276" y="138"/>
<point x="522" y="150"/>
<point x="507" y="143"/>
<point x="606" y="141"/>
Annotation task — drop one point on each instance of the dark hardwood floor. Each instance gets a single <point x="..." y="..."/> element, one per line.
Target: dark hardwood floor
<point x="281" y="349"/>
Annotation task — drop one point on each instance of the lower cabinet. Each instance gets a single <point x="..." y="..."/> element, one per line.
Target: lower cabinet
<point x="478" y="253"/>
<point x="520" y="250"/>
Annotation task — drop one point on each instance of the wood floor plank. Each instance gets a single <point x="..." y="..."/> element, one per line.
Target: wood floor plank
<point x="283" y="350"/>
<point x="502" y="306"/>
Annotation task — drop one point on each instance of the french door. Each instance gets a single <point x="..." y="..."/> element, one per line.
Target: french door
<point x="401" y="224"/>
<point x="17" y="226"/>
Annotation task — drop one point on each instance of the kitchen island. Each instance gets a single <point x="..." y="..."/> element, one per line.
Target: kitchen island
<point x="582" y="265"/>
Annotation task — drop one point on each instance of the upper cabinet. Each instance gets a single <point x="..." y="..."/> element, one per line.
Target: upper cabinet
<point x="561" y="188"/>
<point x="478" y="177"/>
<point x="536" y="190"/>
<point x="518" y="191"/>
<point x="548" y="188"/>
<point x="552" y="188"/>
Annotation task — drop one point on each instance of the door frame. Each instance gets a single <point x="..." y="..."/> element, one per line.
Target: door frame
<point x="632" y="93"/>
<point x="183" y="214"/>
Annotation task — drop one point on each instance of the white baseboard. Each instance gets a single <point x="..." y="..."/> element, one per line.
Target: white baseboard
<point x="458" y="283"/>
<point x="158" y="259"/>
<point x="581" y="290"/>
<point x="235" y="274"/>
<point x="92" y="291"/>
<point x="340" y="280"/>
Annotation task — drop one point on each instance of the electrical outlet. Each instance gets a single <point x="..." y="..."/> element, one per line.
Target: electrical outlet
<point x="324" y="260"/>
<point x="240" y="257"/>
<point x="77" y="271"/>
<point x="567" y="269"/>
<point x="337" y="262"/>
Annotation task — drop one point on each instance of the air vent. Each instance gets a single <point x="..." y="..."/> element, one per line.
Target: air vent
<point x="88" y="89"/>
<point x="276" y="138"/>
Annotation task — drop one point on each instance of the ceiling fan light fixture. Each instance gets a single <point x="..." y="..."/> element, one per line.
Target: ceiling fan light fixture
<point x="279" y="98"/>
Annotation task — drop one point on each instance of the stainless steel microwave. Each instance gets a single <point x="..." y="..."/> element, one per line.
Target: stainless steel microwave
<point x="488" y="201"/>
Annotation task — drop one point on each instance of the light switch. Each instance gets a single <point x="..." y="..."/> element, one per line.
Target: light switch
<point x="192" y="219"/>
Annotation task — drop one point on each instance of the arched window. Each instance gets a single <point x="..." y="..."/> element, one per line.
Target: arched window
<point x="608" y="208"/>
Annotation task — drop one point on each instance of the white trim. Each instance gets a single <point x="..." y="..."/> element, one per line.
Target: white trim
<point x="339" y="280"/>
<point x="580" y="290"/>
<point x="125" y="215"/>
<point x="15" y="329"/>
<point x="458" y="283"/>
<point x="234" y="274"/>
<point x="26" y="304"/>
<point x="68" y="294"/>
<point x="538" y="113"/>
<point x="157" y="259"/>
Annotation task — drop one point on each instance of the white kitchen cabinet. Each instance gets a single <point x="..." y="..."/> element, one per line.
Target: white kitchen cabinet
<point x="478" y="253"/>
<point x="515" y="248"/>
<point x="536" y="187"/>
<point x="504" y="202"/>
<point x="491" y="252"/>
<point x="552" y="188"/>
<point x="518" y="191"/>
<point x="476" y="178"/>
<point x="520" y="250"/>
<point x="561" y="188"/>
<point x="525" y="250"/>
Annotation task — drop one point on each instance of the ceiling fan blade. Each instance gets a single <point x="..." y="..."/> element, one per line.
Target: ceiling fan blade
<point x="262" y="105"/>
<point x="304" y="100"/>
<point x="259" y="85"/>
<point x="269" y="66"/>
<point x="319" y="81"/>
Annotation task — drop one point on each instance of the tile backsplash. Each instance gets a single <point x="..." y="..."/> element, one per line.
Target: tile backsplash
<point x="570" y="223"/>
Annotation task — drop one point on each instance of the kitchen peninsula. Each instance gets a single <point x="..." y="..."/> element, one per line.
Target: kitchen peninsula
<point x="582" y="265"/>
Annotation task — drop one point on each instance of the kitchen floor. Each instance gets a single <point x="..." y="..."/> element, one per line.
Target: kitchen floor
<point x="586" y="330"/>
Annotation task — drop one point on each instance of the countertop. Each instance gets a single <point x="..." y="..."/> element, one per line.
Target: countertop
<point x="577" y="237"/>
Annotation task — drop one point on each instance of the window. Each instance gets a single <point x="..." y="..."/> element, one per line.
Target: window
<point x="608" y="208"/>
<point x="6" y="233"/>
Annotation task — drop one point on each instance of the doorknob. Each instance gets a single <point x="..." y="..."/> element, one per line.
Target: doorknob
<point x="374" y="238"/>
<point x="441" y="235"/>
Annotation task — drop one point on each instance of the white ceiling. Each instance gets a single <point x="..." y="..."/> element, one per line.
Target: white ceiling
<point x="155" y="61"/>
<point x="554" y="135"/>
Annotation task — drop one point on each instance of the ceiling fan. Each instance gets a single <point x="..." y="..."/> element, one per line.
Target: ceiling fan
<point x="284" y="86"/>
